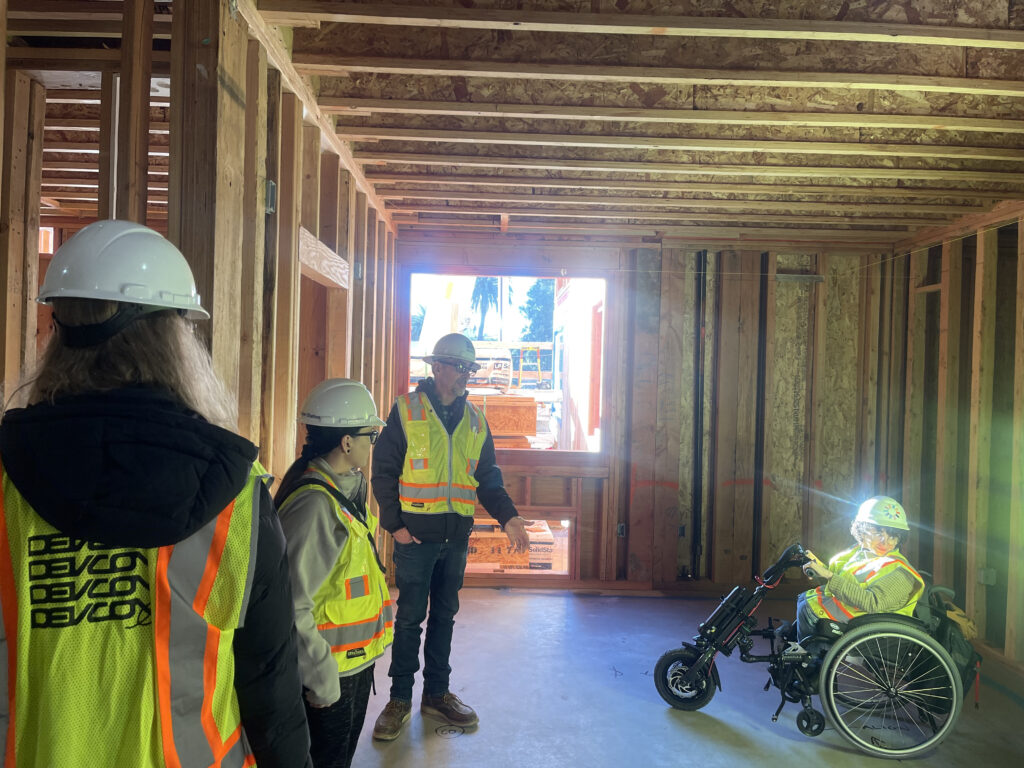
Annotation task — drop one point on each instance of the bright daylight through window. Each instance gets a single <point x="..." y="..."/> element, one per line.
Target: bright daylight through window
<point x="538" y="343"/>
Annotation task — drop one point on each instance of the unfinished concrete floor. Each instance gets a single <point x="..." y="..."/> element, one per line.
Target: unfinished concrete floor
<point x="561" y="679"/>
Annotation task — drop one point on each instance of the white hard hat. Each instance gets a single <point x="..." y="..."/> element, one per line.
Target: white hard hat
<point x="884" y="511"/>
<point x="340" y="403"/>
<point x="122" y="261"/>
<point x="453" y="346"/>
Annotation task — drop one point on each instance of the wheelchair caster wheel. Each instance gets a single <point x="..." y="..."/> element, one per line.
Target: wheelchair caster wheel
<point x="810" y="722"/>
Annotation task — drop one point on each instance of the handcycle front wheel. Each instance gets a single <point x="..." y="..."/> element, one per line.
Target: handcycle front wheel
<point x="668" y="677"/>
<point x="890" y="690"/>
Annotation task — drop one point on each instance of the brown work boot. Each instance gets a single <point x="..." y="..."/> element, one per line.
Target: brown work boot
<point x="390" y="721"/>
<point x="450" y="708"/>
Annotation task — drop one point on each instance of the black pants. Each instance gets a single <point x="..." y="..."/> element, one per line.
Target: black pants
<point x="334" y="730"/>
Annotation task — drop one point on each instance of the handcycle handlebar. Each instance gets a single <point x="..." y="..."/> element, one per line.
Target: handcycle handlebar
<point x="794" y="556"/>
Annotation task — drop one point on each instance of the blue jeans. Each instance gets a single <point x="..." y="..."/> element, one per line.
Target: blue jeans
<point x="429" y="571"/>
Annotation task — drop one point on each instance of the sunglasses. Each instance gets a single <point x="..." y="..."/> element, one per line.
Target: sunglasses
<point x="462" y="368"/>
<point x="372" y="435"/>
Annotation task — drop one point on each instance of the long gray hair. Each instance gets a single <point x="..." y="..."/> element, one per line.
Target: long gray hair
<point x="159" y="349"/>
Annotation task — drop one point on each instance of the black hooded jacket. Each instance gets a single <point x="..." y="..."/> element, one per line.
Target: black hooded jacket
<point x="135" y="468"/>
<point x="389" y="458"/>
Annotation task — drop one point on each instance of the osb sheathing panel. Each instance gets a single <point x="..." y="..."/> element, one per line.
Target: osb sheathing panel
<point x="590" y="527"/>
<point x="485" y="90"/>
<point x="837" y="455"/>
<point x="623" y="50"/>
<point x="685" y="320"/>
<point x="786" y="414"/>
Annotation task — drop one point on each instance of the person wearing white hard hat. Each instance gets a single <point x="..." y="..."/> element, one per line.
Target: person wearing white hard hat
<point x="343" y="612"/>
<point x="434" y="460"/>
<point x="873" y="576"/>
<point x="145" y="592"/>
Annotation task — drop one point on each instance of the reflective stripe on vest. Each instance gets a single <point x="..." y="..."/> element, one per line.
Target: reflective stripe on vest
<point x="827" y="605"/>
<point x="438" y="474"/>
<point x="164" y="644"/>
<point x="352" y="607"/>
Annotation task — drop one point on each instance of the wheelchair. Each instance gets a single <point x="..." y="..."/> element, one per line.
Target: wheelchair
<point x="884" y="683"/>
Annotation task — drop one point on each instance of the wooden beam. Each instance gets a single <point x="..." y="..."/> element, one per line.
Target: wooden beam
<point x="692" y="169"/>
<point x="913" y="418"/>
<point x="947" y="417"/>
<point x="715" y="117"/>
<point x="133" y="113"/>
<point x="268" y="367"/>
<point x="70" y="10"/>
<point x="741" y="28"/>
<point x="45" y="27"/>
<point x="78" y="59"/>
<point x="33" y="173"/>
<point x="379" y="178"/>
<point x="311" y="178"/>
<point x="677" y="202"/>
<point x="207" y="166"/>
<point x="110" y="95"/>
<point x="334" y="181"/>
<point x="370" y="300"/>
<point x="768" y="146"/>
<point x="666" y="216"/>
<point x="980" y="437"/>
<point x="331" y="65"/>
<point x="357" y="295"/>
<point x="254" y="218"/>
<point x="395" y="328"/>
<point x="1014" y="645"/>
<point x="12" y="225"/>
<point x="381" y="322"/>
<point x="289" y="213"/>
<point x="319" y="263"/>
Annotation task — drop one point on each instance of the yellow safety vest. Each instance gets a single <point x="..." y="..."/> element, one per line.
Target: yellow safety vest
<point x="352" y="608"/>
<point x="437" y="475"/>
<point x="120" y="656"/>
<point x="827" y="606"/>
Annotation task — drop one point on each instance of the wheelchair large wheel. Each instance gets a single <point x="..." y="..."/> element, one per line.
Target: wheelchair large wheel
<point x="890" y="690"/>
<point x="668" y="674"/>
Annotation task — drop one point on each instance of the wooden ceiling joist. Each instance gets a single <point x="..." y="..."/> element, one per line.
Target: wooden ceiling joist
<point x="542" y="182"/>
<point x="350" y="106"/>
<point x="313" y="12"/>
<point x="77" y="59"/>
<point x="90" y="124"/>
<point x="692" y="169"/>
<point x="93" y="148"/>
<point x="681" y="144"/>
<point x="739" y="216"/>
<point x="341" y="66"/>
<point x="71" y="10"/>
<point x="44" y="26"/>
<point x="805" y="235"/>
<point x="676" y="202"/>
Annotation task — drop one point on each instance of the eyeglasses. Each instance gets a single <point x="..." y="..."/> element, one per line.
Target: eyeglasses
<point x="462" y="368"/>
<point x="372" y="435"/>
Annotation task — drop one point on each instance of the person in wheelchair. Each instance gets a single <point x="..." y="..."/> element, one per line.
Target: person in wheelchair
<point x="871" y="577"/>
